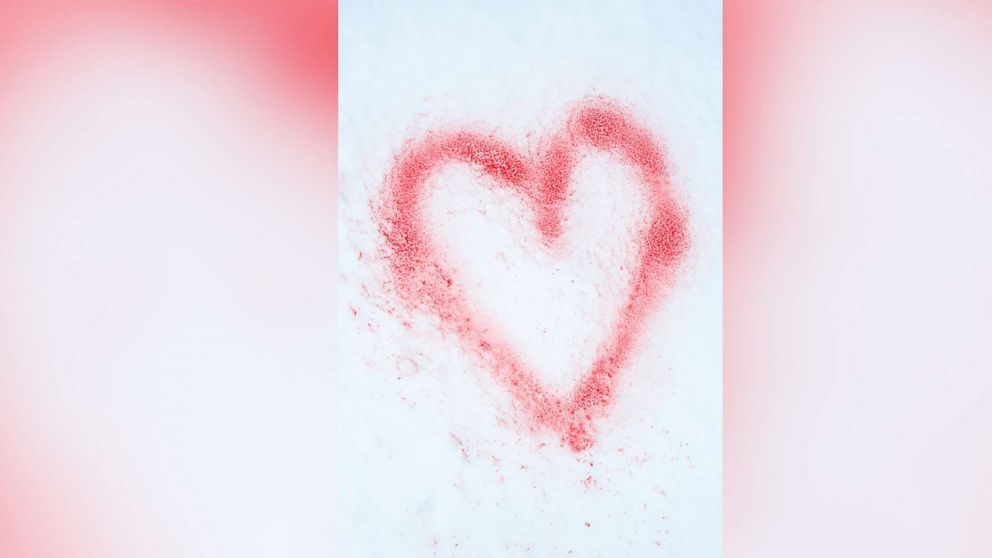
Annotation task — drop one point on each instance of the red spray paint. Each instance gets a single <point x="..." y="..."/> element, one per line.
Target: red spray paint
<point x="423" y="278"/>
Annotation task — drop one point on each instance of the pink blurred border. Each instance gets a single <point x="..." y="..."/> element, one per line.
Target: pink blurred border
<point x="295" y="43"/>
<point x="858" y="404"/>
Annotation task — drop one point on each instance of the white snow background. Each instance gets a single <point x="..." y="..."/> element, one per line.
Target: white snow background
<point x="434" y="460"/>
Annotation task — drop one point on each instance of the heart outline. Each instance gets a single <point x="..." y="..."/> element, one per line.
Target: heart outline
<point x="543" y="181"/>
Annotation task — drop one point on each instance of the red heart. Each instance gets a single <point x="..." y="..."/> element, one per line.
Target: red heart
<point x="421" y="276"/>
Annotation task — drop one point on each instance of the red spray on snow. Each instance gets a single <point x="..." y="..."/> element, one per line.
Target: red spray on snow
<point x="422" y="277"/>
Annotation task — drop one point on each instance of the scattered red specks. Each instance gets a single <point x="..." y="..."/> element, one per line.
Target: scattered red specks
<point x="589" y="483"/>
<point x="423" y="277"/>
<point x="461" y="447"/>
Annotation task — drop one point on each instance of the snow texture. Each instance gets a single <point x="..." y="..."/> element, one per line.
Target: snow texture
<point x="435" y="458"/>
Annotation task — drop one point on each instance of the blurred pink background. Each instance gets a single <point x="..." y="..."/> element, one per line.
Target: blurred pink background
<point x="858" y="306"/>
<point x="166" y="209"/>
<point x="167" y="223"/>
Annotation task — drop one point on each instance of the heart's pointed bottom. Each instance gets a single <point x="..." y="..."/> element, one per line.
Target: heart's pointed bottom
<point x="578" y="438"/>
